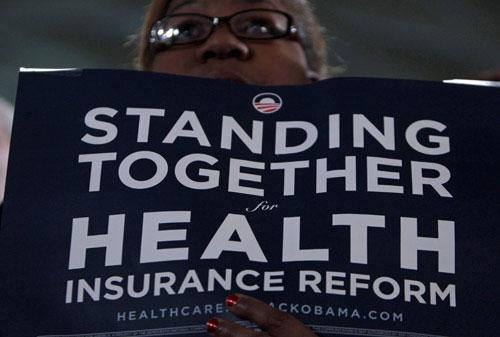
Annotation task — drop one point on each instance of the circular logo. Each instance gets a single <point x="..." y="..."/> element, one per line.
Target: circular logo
<point x="267" y="103"/>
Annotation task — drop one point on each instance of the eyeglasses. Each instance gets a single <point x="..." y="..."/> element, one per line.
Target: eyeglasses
<point x="253" y="24"/>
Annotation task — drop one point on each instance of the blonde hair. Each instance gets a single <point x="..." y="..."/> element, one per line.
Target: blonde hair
<point x="313" y="40"/>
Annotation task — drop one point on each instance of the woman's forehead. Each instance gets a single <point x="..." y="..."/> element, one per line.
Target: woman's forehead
<point x="177" y="5"/>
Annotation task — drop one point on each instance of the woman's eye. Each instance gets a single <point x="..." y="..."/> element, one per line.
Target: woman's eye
<point x="188" y="30"/>
<point x="259" y="28"/>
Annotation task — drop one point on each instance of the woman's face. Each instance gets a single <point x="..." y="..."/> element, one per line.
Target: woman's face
<point x="224" y="56"/>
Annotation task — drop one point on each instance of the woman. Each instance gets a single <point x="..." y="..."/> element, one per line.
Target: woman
<point x="263" y="42"/>
<point x="294" y="54"/>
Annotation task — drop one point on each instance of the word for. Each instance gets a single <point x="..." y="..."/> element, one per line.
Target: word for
<point x="262" y="206"/>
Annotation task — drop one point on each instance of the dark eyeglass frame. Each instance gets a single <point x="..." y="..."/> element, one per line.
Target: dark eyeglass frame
<point x="156" y="43"/>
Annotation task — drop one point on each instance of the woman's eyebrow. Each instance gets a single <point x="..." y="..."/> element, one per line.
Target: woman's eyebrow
<point x="189" y="3"/>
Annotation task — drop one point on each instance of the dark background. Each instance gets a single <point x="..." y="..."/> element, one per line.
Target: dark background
<point x="424" y="39"/>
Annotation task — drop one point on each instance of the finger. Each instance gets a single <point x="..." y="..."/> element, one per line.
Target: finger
<point x="275" y="322"/>
<point x="221" y="328"/>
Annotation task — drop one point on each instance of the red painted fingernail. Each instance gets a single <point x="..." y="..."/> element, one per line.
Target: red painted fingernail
<point x="231" y="300"/>
<point x="212" y="325"/>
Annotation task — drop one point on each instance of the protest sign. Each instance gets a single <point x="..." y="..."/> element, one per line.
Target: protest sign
<point x="136" y="202"/>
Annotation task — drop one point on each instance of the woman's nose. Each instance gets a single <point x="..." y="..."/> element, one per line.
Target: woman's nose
<point x="223" y="44"/>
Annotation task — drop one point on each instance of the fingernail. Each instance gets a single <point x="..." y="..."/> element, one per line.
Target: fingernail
<point x="231" y="300"/>
<point x="212" y="325"/>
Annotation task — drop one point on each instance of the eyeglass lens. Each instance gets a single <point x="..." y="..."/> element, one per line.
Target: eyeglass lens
<point x="190" y="28"/>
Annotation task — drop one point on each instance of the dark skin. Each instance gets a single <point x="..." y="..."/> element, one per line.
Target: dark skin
<point x="225" y="56"/>
<point x="272" y="321"/>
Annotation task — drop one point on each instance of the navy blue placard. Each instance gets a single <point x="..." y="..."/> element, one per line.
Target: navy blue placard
<point x="136" y="202"/>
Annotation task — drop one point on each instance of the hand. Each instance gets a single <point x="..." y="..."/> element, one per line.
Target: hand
<point x="273" y="322"/>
